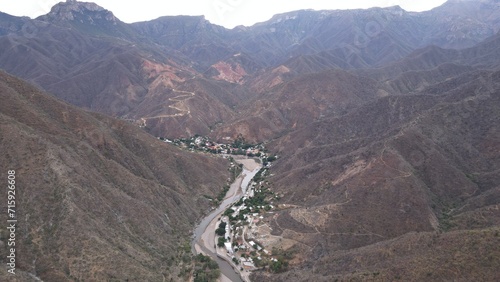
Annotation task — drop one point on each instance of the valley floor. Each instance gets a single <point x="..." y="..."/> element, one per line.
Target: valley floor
<point x="206" y="243"/>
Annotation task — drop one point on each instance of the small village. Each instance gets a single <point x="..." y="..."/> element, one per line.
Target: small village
<point x="238" y="147"/>
<point x="236" y="236"/>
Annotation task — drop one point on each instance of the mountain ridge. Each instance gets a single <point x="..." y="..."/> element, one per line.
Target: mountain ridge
<point x="98" y="198"/>
<point x="384" y="124"/>
<point x="182" y="47"/>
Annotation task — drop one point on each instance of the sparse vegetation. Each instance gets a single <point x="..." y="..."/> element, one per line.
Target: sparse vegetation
<point x="205" y="269"/>
<point x="122" y="166"/>
<point x="386" y="123"/>
<point x="446" y="219"/>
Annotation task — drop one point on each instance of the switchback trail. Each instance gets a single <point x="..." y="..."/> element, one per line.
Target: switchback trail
<point x="178" y="105"/>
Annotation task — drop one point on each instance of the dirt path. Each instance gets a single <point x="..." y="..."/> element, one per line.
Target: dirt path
<point x="178" y="105"/>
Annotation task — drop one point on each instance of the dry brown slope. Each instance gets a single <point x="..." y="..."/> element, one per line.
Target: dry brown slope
<point x="298" y="103"/>
<point x="98" y="199"/>
<point x="362" y="184"/>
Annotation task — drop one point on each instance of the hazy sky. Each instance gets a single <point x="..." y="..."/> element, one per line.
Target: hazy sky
<point x="228" y="13"/>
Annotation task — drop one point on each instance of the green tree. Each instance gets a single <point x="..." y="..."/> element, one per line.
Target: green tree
<point x="201" y="277"/>
<point x="271" y="158"/>
<point x="278" y="266"/>
<point x="214" y="275"/>
<point x="212" y="264"/>
<point x="221" y="230"/>
<point x="221" y="241"/>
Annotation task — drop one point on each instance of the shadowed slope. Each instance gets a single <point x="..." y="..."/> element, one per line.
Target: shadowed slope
<point x="402" y="164"/>
<point x="98" y="198"/>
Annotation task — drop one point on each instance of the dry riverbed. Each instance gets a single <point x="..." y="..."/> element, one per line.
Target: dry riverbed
<point x="205" y="242"/>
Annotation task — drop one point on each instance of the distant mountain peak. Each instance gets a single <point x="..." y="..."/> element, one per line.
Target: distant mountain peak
<point x="395" y="8"/>
<point x="471" y="1"/>
<point x="74" y="10"/>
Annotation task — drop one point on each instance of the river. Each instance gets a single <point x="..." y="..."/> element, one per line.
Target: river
<point x="204" y="233"/>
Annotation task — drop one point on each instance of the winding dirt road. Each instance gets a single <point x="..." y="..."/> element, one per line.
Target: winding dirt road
<point x="178" y="105"/>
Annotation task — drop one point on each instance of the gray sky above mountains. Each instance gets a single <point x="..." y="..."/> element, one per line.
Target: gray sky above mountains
<point x="228" y="13"/>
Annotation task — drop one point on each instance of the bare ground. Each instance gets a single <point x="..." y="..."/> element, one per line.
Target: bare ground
<point x="249" y="164"/>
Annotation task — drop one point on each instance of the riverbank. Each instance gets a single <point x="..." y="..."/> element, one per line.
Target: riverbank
<point x="204" y="237"/>
<point x="249" y="164"/>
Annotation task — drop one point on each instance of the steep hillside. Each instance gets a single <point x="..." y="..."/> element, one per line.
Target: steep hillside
<point x="201" y="41"/>
<point x="395" y="172"/>
<point x="97" y="198"/>
<point x="86" y="56"/>
<point x="288" y="100"/>
<point x="460" y="21"/>
<point x="298" y="103"/>
<point x="312" y="41"/>
<point x="385" y="124"/>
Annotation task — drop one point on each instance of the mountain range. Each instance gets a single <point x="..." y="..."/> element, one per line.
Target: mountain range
<point x="134" y="67"/>
<point x="385" y="123"/>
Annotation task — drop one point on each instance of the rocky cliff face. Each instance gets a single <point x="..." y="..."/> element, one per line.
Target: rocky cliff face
<point x="73" y="10"/>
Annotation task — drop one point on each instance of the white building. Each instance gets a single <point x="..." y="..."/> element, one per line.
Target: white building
<point x="229" y="248"/>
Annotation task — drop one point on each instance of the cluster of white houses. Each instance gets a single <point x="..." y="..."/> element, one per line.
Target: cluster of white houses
<point x="239" y="219"/>
<point x="202" y="143"/>
<point x="238" y="244"/>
